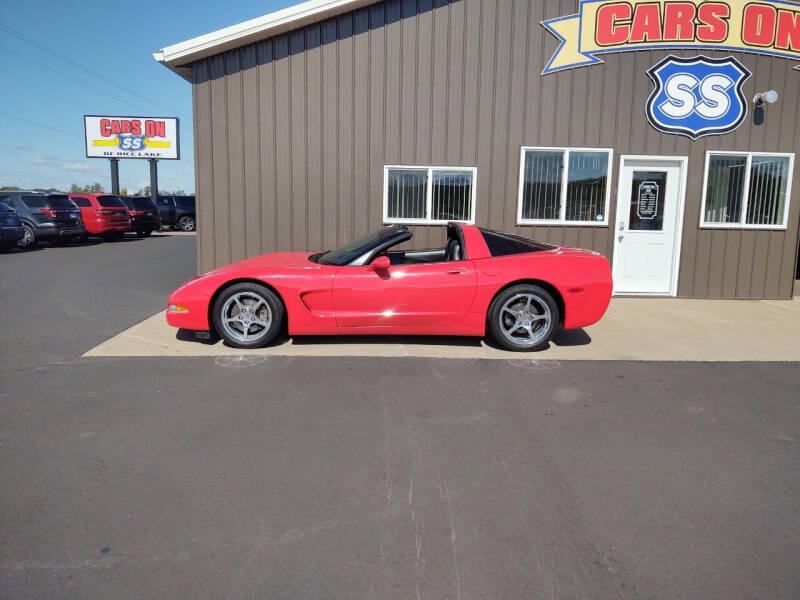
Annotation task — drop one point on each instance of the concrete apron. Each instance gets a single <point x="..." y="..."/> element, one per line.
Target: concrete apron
<point x="632" y="329"/>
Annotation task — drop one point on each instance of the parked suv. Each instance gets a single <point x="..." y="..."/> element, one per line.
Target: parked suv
<point x="144" y="214"/>
<point x="177" y="212"/>
<point x="11" y="230"/>
<point x="103" y="214"/>
<point x="51" y="217"/>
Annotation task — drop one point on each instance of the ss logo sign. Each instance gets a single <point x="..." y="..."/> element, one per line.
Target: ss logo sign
<point x="697" y="96"/>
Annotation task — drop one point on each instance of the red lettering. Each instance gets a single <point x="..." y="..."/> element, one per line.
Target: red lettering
<point x="679" y="21"/>
<point x="115" y="128"/>
<point x="155" y="128"/>
<point x="758" y="26"/>
<point x="136" y="127"/>
<point x="646" y="24"/>
<point x="125" y="126"/>
<point x="787" y="36"/>
<point x="714" y="18"/>
<point x="105" y="127"/>
<point x="612" y="24"/>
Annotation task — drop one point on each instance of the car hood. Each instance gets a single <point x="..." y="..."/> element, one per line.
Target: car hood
<point x="284" y="260"/>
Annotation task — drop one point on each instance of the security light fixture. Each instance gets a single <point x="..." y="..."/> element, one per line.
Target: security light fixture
<point x="770" y="97"/>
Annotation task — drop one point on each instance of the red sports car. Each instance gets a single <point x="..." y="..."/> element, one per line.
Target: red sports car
<point x="519" y="290"/>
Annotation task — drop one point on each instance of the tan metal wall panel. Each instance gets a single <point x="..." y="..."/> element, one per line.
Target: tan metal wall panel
<point x="292" y="133"/>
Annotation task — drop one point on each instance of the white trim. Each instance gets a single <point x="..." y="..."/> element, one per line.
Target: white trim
<point x="280" y="21"/>
<point x="566" y="150"/>
<point x="429" y="194"/>
<point x="746" y="191"/>
<point x="676" y="259"/>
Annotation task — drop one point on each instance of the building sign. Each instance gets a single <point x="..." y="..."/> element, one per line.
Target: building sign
<point x="132" y="137"/>
<point x="769" y="27"/>
<point x="647" y="206"/>
<point x="697" y="96"/>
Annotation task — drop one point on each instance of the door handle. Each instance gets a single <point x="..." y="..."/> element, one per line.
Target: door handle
<point x="457" y="272"/>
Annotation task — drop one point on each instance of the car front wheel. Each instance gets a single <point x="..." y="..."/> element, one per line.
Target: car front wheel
<point x="247" y="315"/>
<point x="186" y="224"/>
<point x="523" y="317"/>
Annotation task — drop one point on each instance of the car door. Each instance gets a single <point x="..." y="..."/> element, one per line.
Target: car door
<point x="166" y="209"/>
<point x="404" y="296"/>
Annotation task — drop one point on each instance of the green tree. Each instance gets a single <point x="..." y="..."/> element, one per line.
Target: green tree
<point x="10" y="188"/>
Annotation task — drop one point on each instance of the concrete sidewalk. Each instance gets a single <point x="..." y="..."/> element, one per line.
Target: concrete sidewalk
<point x="632" y="329"/>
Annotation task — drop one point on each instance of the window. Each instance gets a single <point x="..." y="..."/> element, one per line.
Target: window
<point x="502" y="244"/>
<point x="81" y="201"/>
<point x="185" y="201"/>
<point x="33" y="201"/>
<point x="110" y="202"/>
<point x="564" y="186"/>
<point x="748" y="190"/>
<point x="428" y="194"/>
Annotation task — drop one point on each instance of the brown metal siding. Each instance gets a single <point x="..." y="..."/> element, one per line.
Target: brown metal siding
<point x="292" y="133"/>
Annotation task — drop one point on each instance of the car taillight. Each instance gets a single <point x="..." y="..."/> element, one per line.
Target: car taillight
<point x="50" y="212"/>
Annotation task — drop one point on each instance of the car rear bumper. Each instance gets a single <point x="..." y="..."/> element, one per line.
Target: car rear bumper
<point x="48" y="230"/>
<point x="142" y="223"/>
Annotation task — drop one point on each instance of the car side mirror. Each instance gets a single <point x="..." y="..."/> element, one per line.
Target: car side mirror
<point x="380" y="264"/>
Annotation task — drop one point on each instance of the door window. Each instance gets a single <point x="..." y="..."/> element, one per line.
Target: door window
<point x="648" y="190"/>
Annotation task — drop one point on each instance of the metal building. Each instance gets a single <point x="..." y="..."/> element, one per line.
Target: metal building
<point x="632" y="131"/>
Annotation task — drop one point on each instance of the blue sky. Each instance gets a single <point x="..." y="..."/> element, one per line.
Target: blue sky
<point x="113" y="39"/>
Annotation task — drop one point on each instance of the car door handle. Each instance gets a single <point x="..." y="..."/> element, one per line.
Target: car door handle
<point x="457" y="272"/>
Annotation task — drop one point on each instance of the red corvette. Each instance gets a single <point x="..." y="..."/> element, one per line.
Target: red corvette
<point x="519" y="290"/>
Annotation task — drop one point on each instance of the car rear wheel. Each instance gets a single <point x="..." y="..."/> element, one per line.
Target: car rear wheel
<point x="28" y="239"/>
<point x="247" y="315"/>
<point x="523" y="317"/>
<point x="186" y="223"/>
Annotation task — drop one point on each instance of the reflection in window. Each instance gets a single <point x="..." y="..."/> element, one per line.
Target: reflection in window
<point x="747" y="189"/>
<point x="429" y="194"/>
<point x="544" y="196"/>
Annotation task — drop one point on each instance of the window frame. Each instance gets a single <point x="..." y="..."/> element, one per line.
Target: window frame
<point x="564" y="181"/>
<point x="428" y="194"/>
<point x="742" y="224"/>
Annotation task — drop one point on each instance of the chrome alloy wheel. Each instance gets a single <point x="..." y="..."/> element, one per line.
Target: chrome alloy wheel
<point x="246" y="316"/>
<point x="525" y="319"/>
<point x="27" y="238"/>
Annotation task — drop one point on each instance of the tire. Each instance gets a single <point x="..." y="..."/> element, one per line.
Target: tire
<point x="523" y="318"/>
<point x="263" y="323"/>
<point x="186" y="223"/>
<point x="29" y="239"/>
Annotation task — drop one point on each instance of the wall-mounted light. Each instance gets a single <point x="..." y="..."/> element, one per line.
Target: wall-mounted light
<point x="770" y="97"/>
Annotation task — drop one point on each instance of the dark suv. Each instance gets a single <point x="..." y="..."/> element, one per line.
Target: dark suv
<point x="177" y="212"/>
<point x="144" y="214"/>
<point x="45" y="217"/>
<point x="11" y="230"/>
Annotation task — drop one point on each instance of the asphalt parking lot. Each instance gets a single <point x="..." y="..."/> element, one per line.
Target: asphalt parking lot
<point x="359" y="477"/>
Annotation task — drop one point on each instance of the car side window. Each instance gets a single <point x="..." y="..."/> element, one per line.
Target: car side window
<point x="81" y="201"/>
<point x="164" y="202"/>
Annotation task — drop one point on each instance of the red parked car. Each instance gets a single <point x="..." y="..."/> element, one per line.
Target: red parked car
<point x="517" y="290"/>
<point x="103" y="214"/>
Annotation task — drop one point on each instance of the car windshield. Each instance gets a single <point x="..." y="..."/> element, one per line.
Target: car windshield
<point x="349" y="252"/>
<point x="110" y="201"/>
<point x="59" y="202"/>
<point x="139" y="203"/>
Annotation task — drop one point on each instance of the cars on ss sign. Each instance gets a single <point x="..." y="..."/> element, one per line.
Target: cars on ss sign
<point x="517" y="290"/>
<point x="104" y="215"/>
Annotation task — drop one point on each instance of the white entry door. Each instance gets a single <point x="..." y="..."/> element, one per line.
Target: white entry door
<point x="648" y="225"/>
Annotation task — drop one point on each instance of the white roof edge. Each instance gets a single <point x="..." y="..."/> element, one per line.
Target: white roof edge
<point x="286" y="19"/>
